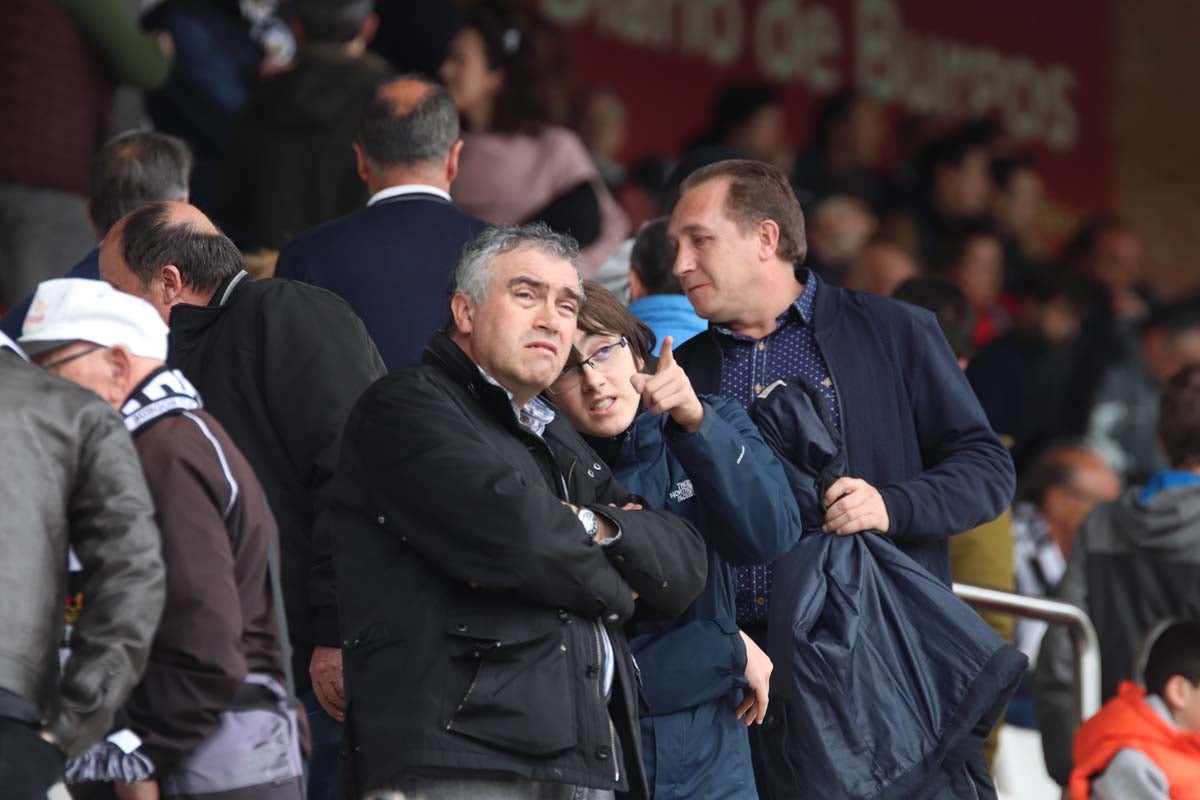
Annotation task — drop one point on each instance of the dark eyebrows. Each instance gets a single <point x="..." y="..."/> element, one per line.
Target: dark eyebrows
<point x="540" y="285"/>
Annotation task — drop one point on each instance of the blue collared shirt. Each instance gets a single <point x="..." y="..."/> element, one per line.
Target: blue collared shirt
<point x="750" y="365"/>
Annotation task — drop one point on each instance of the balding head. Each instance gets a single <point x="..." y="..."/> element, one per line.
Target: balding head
<point x="408" y="133"/>
<point x="168" y="253"/>
<point x="133" y="169"/>
<point x="1066" y="483"/>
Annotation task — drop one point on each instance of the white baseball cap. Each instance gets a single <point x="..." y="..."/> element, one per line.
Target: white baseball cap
<point x="68" y="310"/>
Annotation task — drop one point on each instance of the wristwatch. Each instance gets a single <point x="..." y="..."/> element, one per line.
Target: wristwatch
<point x="590" y="524"/>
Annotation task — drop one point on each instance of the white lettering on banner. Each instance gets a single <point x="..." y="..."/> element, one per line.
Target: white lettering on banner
<point x="929" y="74"/>
<point x="799" y="41"/>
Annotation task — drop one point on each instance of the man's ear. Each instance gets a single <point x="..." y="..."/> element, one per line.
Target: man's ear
<point x="369" y="28"/>
<point x="462" y="309"/>
<point x="120" y="363"/>
<point x="360" y="162"/>
<point x="1176" y="692"/>
<point x="452" y="161"/>
<point x="171" y="284"/>
<point x="637" y="289"/>
<point x="768" y="239"/>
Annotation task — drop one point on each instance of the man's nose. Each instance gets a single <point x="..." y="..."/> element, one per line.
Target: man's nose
<point x="683" y="263"/>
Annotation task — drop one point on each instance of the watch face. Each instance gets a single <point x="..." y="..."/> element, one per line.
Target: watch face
<point x="588" y="518"/>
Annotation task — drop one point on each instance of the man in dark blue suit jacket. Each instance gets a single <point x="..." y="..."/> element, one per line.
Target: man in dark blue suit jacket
<point x="392" y="260"/>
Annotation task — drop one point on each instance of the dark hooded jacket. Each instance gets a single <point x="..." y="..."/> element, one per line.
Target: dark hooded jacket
<point x="885" y="684"/>
<point x="290" y="164"/>
<point x="1134" y="564"/>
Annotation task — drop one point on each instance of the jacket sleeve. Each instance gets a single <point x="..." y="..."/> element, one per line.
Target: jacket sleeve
<point x="969" y="477"/>
<point x="1131" y="774"/>
<point x="690" y="665"/>
<point x="1054" y="676"/>
<point x="320" y="360"/>
<point x="661" y="555"/>
<point x="751" y="512"/>
<point x="192" y="677"/>
<point x="133" y="54"/>
<point x="117" y="544"/>
<point x="440" y="486"/>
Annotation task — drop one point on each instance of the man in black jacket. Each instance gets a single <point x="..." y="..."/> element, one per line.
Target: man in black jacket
<point x="391" y="261"/>
<point x="482" y="586"/>
<point x="279" y="364"/>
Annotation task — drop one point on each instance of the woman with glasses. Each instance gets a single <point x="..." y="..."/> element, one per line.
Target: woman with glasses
<point x="703" y="680"/>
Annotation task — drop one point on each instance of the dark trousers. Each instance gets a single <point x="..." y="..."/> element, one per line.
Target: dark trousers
<point x="326" y="732"/>
<point x="29" y="765"/>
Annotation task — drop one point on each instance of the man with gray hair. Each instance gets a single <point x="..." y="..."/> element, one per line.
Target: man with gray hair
<point x="134" y="168"/>
<point x="391" y="261"/>
<point x="486" y="558"/>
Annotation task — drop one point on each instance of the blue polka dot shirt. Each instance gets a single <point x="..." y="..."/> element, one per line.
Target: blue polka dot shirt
<point x="750" y="365"/>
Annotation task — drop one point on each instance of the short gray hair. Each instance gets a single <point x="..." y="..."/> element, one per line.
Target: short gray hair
<point x="473" y="273"/>
<point x="391" y="136"/>
<point x="136" y="168"/>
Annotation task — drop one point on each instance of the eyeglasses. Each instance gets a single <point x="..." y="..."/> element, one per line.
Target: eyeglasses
<point x="602" y="361"/>
<point x="58" y="362"/>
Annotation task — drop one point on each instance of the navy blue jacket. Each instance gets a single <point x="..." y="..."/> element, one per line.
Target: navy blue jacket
<point x="391" y="262"/>
<point x="14" y="320"/>
<point x="725" y="480"/>
<point x="913" y="428"/>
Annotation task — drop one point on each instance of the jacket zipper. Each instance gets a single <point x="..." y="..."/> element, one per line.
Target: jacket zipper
<point x="971" y="782"/>
<point x="612" y="733"/>
<point x="463" y="702"/>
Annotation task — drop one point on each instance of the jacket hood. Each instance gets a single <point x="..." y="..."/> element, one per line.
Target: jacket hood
<point x="666" y="308"/>
<point x="323" y="90"/>
<point x="1167" y="524"/>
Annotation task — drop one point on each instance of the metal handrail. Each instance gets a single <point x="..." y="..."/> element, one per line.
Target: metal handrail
<point x="1083" y="634"/>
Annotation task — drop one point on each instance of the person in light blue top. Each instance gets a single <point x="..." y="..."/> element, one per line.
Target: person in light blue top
<point x="656" y="298"/>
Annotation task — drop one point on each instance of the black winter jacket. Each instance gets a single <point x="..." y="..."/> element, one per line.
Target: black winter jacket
<point x="470" y="596"/>
<point x="280" y="365"/>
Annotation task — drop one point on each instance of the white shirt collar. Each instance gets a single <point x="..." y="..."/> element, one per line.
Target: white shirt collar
<point x="408" y="188"/>
<point x="6" y="342"/>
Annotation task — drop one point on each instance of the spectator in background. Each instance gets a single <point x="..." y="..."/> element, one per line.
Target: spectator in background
<point x="207" y="710"/>
<point x="60" y="63"/>
<point x="1055" y="496"/>
<point x="1145" y="743"/>
<point x="1017" y="205"/>
<point x="131" y="170"/>
<point x="289" y="165"/>
<point x="749" y="118"/>
<point x="392" y="260"/>
<point x="955" y="185"/>
<point x="279" y="364"/>
<point x="841" y="227"/>
<point x="222" y="49"/>
<point x="982" y="556"/>
<point x="656" y="298"/>
<point x="845" y="153"/>
<point x="602" y="124"/>
<point x="1022" y="377"/>
<point x="517" y="165"/>
<point x="880" y="268"/>
<point x="79" y="491"/>
<point x="971" y="257"/>
<point x="1124" y="415"/>
<point x="1147" y="543"/>
<point x="641" y="193"/>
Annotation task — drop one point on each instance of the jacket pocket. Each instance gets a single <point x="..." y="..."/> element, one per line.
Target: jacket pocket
<point x="515" y="661"/>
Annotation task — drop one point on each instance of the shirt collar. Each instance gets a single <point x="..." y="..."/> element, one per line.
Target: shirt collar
<point x="408" y="188"/>
<point x="801" y="307"/>
<point x="9" y="344"/>
<point x="534" y="416"/>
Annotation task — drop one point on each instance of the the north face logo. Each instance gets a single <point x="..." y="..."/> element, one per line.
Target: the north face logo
<point x="683" y="491"/>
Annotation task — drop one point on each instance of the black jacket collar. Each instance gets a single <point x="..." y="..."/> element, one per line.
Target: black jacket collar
<point x="444" y="354"/>
<point x="188" y="321"/>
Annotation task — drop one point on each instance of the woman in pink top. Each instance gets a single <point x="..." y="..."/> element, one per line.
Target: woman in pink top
<point x="515" y="166"/>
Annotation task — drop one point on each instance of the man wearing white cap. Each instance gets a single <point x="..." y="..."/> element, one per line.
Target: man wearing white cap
<point x="212" y="712"/>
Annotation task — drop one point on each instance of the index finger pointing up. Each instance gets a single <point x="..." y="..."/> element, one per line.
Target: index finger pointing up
<point x="666" y="359"/>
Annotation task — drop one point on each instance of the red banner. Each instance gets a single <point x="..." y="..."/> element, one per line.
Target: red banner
<point x="1042" y="67"/>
